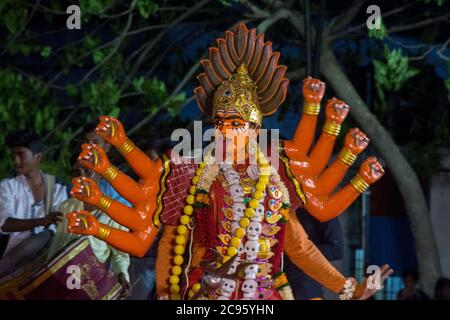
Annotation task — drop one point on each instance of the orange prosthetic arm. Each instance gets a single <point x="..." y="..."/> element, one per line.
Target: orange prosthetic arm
<point x="330" y="178"/>
<point x="305" y="255"/>
<point x="135" y="243"/>
<point x="86" y="190"/>
<point x="325" y="208"/>
<point x="139" y="162"/>
<point x="336" y="112"/>
<point x="313" y="91"/>
<point x="304" y="135"/>
<point x="142" y="195"/>
<point x="95" y="158"/>
<point x="355" y="142"/>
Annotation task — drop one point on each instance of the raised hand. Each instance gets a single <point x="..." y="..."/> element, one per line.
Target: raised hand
<point x="336" y="110"/>
<point x="311" y="167"/>
<point x="141" y="194"/>
<point x="364" y="291"/>
<point x="356" y="141"/>
<point x="111" y="130"/>
<point x="82" y="222"/>
<point x="94" y="158"/>
<point x="86" y="190"/>
<point x="371" y="170"/>
<point x="313" y="90"/>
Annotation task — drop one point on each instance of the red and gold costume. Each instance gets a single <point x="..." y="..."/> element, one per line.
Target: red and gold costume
<point x="226" y="226"/>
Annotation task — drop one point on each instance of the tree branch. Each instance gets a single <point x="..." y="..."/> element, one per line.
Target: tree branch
<point x="363" y="25"/>
<point x="346" y="17"/>
<point x="144" y="54"/>
<point x="404" y="175"/>
<point x="418" y="24"/>
<point x="296" y="75"/>
<point x="22" y="28"/>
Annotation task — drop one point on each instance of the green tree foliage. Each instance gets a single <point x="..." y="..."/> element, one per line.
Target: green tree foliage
<point x="392" y="73"/>
<point x="88" y="74"/>
<point x="117" y="64"/>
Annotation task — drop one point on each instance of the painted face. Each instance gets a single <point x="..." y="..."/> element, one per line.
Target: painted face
<point x="25" y="160"/>
<point x="232" y="134"/>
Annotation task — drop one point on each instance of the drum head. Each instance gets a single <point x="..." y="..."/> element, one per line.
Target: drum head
<point x="26" y="252"/>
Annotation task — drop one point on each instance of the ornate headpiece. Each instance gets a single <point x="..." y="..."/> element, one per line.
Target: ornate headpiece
<point x="242" y="73"/>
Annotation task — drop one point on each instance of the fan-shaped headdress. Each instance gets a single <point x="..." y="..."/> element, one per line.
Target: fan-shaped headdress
<point x="242" y="73"/>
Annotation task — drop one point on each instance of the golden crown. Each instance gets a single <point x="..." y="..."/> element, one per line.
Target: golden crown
<point x="238" y="93"/>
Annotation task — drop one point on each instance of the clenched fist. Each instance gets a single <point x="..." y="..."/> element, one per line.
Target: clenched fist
<point x="313" y="90"/>
<point x="371" y="170"/>
<point x="336" y="110"/>
<point x="356" y="141"/>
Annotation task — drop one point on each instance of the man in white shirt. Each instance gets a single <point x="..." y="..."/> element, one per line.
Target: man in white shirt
<point x="28" y="202"/>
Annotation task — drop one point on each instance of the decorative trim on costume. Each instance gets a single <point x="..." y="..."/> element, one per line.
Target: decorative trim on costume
<point x="162" y="189"/>
<point x="298" y="187"/>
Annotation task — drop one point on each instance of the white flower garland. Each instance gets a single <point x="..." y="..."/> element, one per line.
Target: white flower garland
<point x="348" y="291"/>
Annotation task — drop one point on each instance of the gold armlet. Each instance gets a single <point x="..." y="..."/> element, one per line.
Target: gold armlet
<point x="332" y="128"/>
<point x="311" y="109"/>
<point x="111" y="173"/>
<point x="103" y="232"/>
<point x="359" y="184"/>
<point x="104" y="203"/>
<point x="126" y="147"/>
<point x="347" y="157"/>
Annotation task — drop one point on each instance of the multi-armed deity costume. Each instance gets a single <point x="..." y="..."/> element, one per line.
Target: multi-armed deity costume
<point x="226" y="226"/>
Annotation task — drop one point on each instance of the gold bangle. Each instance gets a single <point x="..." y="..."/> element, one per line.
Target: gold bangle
<point x="126" y="147"/>
<point x="103" y="232"/>
<point x="347" y="157"/>
<point x="104" y="203"/>
<point x="332" y="128"/>
<point x="111" y="173"/>
<point x="359" y="184"/>
<point x="311" y="109"/>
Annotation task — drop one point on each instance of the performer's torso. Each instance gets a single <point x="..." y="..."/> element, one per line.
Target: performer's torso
<point x="261" y="247"/>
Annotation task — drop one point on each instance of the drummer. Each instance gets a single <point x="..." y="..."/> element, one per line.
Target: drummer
<point x="29" y="202"/>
